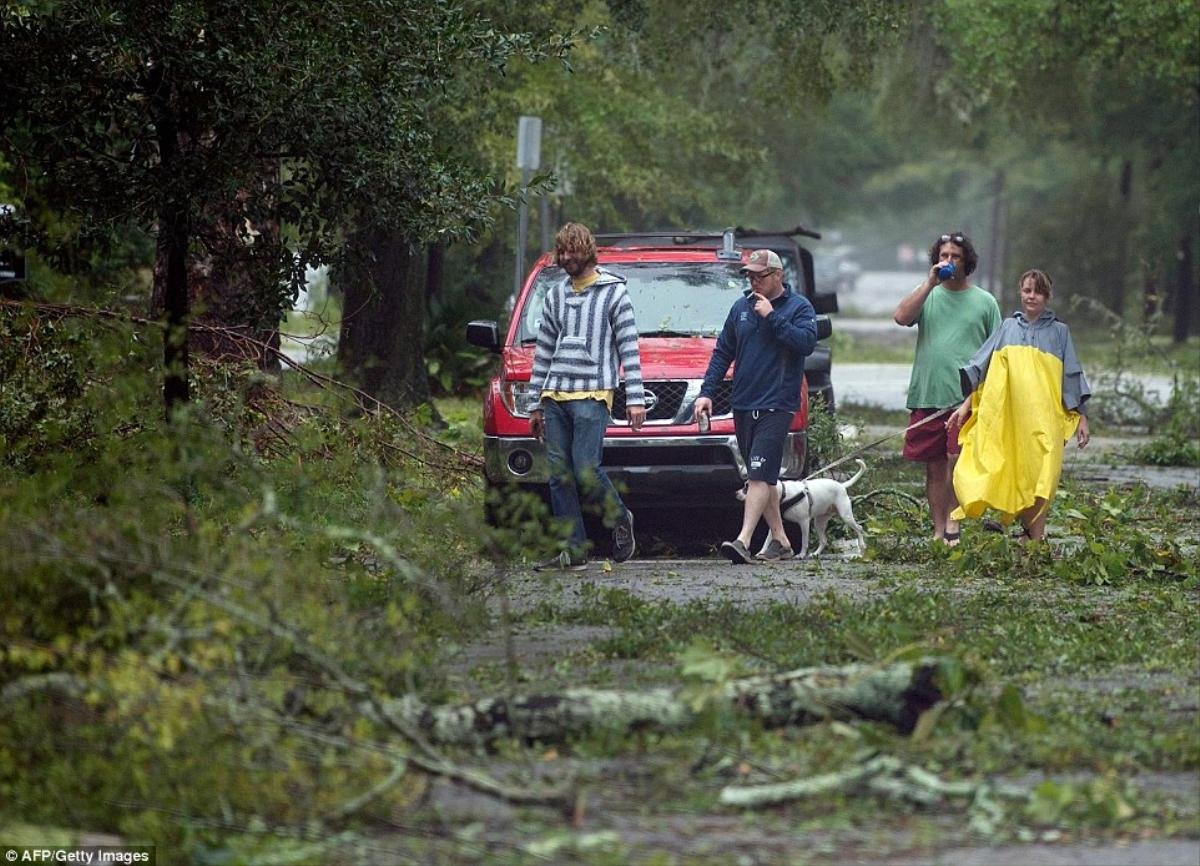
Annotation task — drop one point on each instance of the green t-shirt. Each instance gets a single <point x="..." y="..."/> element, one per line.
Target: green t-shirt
<point x="951" y="326"/>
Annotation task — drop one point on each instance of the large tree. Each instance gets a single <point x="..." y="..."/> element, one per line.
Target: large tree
<point x="243" y="136"/>
<point x="672" y="118"/>
<point x="1093" y="106"/>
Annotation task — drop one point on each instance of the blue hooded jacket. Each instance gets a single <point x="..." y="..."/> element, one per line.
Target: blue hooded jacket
<point x="768" y="353"/>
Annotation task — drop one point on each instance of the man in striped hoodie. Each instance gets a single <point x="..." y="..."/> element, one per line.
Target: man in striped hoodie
<point x="587" y="330"/>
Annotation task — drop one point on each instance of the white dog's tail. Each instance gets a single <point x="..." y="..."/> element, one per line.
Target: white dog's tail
<point x="862" y="467"/>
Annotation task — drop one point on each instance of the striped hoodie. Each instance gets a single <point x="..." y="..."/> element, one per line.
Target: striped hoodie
<point x="581" y="339"/>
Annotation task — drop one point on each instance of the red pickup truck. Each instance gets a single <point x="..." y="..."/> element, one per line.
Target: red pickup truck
<point x="681" y="295"/>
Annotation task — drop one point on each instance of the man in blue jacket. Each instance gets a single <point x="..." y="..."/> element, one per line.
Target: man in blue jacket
<point x="767" y="335"/>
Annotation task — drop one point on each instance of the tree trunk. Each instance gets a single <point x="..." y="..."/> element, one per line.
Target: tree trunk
<point x="227" y="287"/>
<point x="381" y="346"/>
<point x="1185" y="291"/>
<point x="897" y="694"/>
<point x="172" y="246"/>
<point x="435" y="269"/>
<point x="176" y="363"/>
<point x="1149" y="298"/>
<point x="1124" y="225"/>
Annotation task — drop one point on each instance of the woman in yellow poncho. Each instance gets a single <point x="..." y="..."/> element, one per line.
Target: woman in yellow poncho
<point x="1026" y="396"/>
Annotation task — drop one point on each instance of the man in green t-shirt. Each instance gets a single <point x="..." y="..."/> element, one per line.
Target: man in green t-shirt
<point x="953" y="319"/>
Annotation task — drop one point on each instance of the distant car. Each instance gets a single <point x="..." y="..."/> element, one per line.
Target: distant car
<point x="838" y="268"/>
<point x="681" y="296"/>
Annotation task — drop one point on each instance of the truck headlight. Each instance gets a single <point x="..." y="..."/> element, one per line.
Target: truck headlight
<point x="516" y="398"/>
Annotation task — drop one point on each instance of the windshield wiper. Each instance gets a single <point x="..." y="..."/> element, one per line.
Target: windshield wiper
<point x="668" y="333"/>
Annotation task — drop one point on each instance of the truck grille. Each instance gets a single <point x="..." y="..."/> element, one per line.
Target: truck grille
<point x="669" y="405"/>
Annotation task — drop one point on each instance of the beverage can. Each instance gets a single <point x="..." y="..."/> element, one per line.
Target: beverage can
<point x="703" y="423"/>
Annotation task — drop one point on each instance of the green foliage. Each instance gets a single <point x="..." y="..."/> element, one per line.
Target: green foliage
<point x="455" y="367"/>
<point x="824" y="438"/>
<point x="1102" y="802"/>
<point x="44" y="368"/>
<point x="173" y="596"/>
<point x="137" y="115"/>
<point x="1110" y="540"/>
<point x="1087" y="103"/>
<point x="639" y="130"/>
<point x="1178" y="441"/>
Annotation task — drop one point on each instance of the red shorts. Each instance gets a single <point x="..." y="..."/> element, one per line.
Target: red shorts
<point x="930" y="441"/>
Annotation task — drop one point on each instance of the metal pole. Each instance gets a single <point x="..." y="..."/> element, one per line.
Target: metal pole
<point x="529" y="155"/>
<point x="522" y="231"/>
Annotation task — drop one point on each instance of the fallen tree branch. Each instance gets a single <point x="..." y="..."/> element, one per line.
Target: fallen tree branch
<point x="900" y="494"/>
<point x="58" y="681"/>
<point x="883" y="775"/>
<point x="261" y="349"/>
<point x="425" y="757"/>
<point x="896" y="694"/>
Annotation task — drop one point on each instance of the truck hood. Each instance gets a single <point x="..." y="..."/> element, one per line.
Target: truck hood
<point x="662" y="358"/>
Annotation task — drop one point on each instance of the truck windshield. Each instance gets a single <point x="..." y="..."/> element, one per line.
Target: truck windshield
<point x="669" y="298"/>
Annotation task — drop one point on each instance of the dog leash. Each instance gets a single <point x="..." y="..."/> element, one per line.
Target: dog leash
<point x="871" y="445"/>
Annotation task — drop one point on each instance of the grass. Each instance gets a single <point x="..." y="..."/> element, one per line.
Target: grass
<point x="1086" y="689"/>
<point x="1105" y="682"/>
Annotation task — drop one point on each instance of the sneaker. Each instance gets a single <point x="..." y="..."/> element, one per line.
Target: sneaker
<point x="563" y="561"/>
<point x="774" y="550"/>
<point x="737" y="552"/>
<point x="622" y="538"/>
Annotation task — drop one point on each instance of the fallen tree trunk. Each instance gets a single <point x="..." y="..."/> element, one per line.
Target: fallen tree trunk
<point x="896" y="694"/>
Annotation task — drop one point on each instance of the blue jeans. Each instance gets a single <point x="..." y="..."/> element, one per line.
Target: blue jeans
<point x="574" y="445"/>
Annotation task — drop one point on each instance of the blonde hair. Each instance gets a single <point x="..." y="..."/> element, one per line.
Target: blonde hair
<point x="1042" y="284"/>
<point x="575" y="238"/>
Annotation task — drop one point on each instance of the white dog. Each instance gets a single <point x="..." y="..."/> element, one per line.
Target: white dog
<point x="817" y="499"/>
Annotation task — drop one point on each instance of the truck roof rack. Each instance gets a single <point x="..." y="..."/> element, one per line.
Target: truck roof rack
<point x="689" y="238"/>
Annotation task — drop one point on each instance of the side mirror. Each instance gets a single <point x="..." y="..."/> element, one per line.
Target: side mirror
<point x="824" y="327"/>
<point x="823" y="302"/>
<point x="484" y="334"/>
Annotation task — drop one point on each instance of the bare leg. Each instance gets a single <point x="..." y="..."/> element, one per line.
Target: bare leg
<point x="1033" y="519"/>
<point x="758" y="497"/>
<point x="951" y="497"/>
<point x="935" y="492"/>
<point x="774" y="518"/>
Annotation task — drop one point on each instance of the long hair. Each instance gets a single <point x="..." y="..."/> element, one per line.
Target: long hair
<point x="577" y="239"/>
<point x="970" y="257"/>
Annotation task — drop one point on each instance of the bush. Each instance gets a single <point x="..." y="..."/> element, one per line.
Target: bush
<point x="42" y="386"/>
<point x="177" y="599"/>
<point x="1177" y="443"/>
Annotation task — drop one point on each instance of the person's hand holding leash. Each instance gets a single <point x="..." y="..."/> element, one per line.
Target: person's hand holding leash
<point x="537" y="425"/>
<point x="959" y="416"/>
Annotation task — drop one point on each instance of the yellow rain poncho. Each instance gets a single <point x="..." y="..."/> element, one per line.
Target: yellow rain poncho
<point x="1022" y="416"/>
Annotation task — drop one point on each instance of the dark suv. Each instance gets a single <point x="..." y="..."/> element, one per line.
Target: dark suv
<point x="681" y="295"/>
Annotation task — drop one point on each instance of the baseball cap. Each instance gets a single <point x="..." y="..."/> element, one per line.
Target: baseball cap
<point x="762" y="260"/>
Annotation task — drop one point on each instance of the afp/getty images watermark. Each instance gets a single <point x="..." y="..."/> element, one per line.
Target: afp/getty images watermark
<point x="86" y="855"/>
